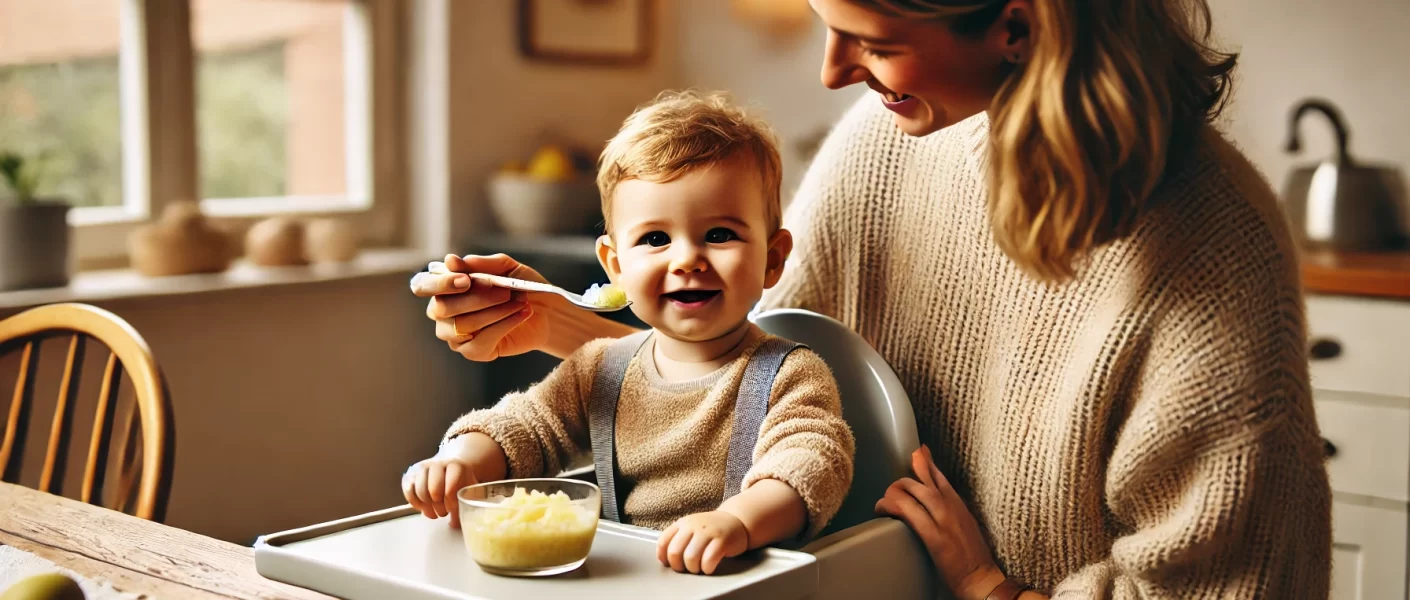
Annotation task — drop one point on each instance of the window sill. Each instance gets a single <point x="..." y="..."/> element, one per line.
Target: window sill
<point x="94" y="286"/>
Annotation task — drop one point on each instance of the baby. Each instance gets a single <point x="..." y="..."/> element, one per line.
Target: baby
<point x="727" y="438"/>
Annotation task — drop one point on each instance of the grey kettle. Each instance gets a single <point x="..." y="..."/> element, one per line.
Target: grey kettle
<point x="1342" y="203"/>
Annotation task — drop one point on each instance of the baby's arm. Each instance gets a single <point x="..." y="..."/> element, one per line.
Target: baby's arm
<point x="533" y="433"/>
<point x="430" y="485"/>
<point x="802" y="471"/>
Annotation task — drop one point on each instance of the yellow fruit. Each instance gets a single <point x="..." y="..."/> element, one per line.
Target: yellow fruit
<point x="49" y="586"/>
<point x="552" y="163"/>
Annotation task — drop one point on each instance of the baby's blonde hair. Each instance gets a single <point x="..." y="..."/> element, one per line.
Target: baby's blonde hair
<point x="681" y="131"/>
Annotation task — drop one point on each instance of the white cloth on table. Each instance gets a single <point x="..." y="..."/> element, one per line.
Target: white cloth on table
<point x="16" y="564"/>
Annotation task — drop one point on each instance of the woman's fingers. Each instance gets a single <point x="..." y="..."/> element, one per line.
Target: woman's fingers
<point x="471" y="324"/>
<point x="473" y="298"/>
<point x="941" y="482"/>
<point x="428" y="285"/>
<point x="920" y="465"/>
<point x="456" y="264"/>
<point x="485" y="343"/>
<point x="901" y="505"/>
<point x="929" y="498"/>
<point x="494" y="264"/>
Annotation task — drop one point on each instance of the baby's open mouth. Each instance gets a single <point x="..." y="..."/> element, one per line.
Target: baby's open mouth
<point x="692" y="296"/>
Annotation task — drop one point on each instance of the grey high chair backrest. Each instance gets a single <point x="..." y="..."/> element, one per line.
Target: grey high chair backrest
<point x="873" y="403"/>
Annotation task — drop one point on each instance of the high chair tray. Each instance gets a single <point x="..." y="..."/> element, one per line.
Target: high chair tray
<point x="398" y="553"/>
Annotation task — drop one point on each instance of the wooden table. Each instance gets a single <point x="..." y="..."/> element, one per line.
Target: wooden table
<point x="134" y="555"/>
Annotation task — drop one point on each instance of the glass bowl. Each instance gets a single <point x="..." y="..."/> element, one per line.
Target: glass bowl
<point x="529" y="527"/>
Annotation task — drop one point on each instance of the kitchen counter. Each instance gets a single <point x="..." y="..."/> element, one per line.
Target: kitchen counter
<point x="1385" y="275"/>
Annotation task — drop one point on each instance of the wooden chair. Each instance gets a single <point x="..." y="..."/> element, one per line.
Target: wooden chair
<point x="153" y="406"/>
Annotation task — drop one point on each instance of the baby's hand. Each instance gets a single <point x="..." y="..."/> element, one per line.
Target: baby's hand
<point x="431" y="484"/>
<point x="697" y="543"/>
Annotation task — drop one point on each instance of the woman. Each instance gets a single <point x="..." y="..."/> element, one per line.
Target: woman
<point x="1089" y="295"/>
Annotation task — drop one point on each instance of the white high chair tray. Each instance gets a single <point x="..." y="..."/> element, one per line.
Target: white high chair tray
<point x="398" y="553"/>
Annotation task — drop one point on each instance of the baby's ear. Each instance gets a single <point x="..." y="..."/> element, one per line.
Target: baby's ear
<point x="607" y="257"/>
<point x="780" y="246"/>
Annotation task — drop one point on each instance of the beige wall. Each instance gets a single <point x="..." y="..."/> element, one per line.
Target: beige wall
<point x="782" y="78"/>
<point x="1352" y="52"/>
<point x="504" y="106"/>
<point x="294" y="404"/>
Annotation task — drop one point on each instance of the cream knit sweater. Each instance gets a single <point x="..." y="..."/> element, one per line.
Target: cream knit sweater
<point x="1145" y="430"/>
<point x="673" y="437"/>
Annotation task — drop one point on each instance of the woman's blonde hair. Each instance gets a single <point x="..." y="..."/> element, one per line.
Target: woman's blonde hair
<point x="1081" y="134"/>
<point x="681" y="131"/>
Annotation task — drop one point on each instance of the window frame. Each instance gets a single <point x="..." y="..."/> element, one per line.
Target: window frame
<point x="157" y="75"/>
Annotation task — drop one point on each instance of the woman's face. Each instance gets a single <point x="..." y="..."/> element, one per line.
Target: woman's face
<point x="928" y="75"/>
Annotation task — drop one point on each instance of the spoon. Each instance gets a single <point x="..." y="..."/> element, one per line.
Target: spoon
<point x="531" y="286"/>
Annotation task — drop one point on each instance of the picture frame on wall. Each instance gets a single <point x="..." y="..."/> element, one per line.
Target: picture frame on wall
<point x="586" y="32"/>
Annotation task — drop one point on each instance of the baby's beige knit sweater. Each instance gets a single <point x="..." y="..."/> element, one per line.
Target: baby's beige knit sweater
<point x="673" y="437"/>
<point x="1145" y="430"/>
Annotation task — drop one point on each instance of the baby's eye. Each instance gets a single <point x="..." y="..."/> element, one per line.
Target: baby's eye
<point x="655" y="239"/>
<point x="719" y="235"/>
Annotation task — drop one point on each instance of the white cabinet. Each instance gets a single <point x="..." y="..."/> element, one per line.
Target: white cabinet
<point x="1359" y="344"/>
<point x="1371" y="435"/>
<point x="1360" y="368"/>
<point x="1370" y="475"/>
<point x="1368" y="551"/>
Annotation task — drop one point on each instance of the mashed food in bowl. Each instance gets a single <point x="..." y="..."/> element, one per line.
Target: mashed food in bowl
<point x="530" y="530"/>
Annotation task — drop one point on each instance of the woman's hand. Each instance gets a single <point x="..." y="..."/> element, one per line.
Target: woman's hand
<point x="483" y="322"/>
<point x="932" y="509"/>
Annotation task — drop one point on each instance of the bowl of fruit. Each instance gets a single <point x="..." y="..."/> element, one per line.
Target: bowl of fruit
<point x="554" y="193"/>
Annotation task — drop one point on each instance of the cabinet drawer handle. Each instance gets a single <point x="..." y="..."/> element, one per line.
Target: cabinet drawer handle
<point x="1329" y="448"/>
<point x="1324" y="349"/>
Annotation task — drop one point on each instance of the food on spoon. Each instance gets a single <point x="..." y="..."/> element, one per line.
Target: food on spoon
<point x="529" y="530"/>
<point x="606" y="296"/>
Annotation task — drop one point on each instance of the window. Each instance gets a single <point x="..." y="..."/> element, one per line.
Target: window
<point x="254" y="107"/>
<point x="60" y="95"/>
<point x="281" y="100"/>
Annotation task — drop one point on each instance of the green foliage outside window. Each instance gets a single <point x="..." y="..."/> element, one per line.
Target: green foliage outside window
<point x="68" y="112"/>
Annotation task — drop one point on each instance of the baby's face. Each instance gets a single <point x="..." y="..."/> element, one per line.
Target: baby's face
<point x="694" y="254"/>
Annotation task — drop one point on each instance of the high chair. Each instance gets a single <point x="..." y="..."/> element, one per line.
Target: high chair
<point x="398" y="553"/>
<point x="26" y="333"/>
<point x="859" y="554"/>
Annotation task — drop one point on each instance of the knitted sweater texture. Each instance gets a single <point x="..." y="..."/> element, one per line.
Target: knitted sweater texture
<point x="1144" y="430"/>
